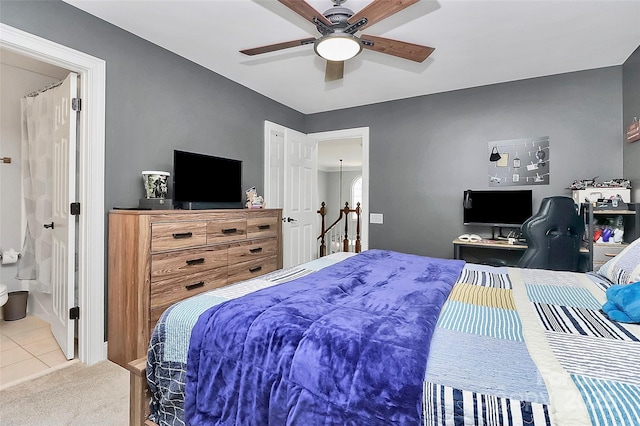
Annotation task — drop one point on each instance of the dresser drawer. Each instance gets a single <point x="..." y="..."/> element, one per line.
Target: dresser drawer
<point x="166" y="293"/>
<point x="262" y="226"/>
<point x="603" y="252"/>
<point x="174" y="235"/>
<point x="178" y="264"/>
<point x="253" y="268"/>
<point x="219" y="231"/>
<point x="253" y="249"/>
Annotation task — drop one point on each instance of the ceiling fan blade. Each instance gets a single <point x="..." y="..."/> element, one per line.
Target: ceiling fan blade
<point x="305" y="10"/>
<point x="278" y="46"/>
<point x="401" y="49"/>
<point x="377" y="10"/>
<point x="334" y="70"/>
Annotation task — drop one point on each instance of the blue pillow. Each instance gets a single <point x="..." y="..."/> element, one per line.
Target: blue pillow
<point x="623" y="303"/>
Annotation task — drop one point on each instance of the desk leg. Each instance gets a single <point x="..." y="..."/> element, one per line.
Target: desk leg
<point x="456" y="251"/>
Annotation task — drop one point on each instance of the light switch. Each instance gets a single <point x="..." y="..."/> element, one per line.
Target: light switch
<point x="376" y="218"/>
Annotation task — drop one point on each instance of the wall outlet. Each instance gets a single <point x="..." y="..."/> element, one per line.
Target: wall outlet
<point x="376" y="218"/>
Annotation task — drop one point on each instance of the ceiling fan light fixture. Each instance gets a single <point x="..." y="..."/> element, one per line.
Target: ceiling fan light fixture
<point x="338" y="46"/>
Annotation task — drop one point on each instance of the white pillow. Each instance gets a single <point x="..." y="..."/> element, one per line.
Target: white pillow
<point x="625" y="267"/>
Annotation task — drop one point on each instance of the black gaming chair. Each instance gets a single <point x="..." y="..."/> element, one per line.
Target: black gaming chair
<point x="553" y="236"/>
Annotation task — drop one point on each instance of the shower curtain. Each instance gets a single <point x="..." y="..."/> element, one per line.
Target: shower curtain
<point x="37" y="176"/>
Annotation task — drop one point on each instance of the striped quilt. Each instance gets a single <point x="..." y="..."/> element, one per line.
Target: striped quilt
<point x="526" y="346"/>
<point x="511" y="347"/>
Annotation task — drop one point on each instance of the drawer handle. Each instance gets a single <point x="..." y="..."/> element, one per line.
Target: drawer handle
<point x="183" y="235"/>
<point x="194" y="286"/>
<point x="255" y="269"/>
<point x="255" y="250"/>
<point x="195" y="261"/>
<point x="264" y="226"/>
<point x="229" y="230"/>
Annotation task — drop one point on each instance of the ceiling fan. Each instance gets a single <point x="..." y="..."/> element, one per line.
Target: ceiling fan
<point x="338" y="26"/>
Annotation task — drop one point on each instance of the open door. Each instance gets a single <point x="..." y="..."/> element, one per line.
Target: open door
<point x="63" y="223"/>
<point x="290" y="183"/>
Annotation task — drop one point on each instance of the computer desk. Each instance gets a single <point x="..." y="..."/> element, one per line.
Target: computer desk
<point x="497" y="246"/>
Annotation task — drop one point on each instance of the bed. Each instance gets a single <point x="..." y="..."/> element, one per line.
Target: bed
<point x="484" y="345"/>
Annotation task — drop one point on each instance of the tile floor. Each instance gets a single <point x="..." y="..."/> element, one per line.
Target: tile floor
<point x="27" y="348"/>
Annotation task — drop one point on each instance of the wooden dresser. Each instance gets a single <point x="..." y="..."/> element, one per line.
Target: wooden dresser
<point x="159" y="257"/>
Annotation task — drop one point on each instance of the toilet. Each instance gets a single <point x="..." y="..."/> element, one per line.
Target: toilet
<point x="3" y="294"/>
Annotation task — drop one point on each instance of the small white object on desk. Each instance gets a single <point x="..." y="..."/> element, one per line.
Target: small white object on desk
<point x="470" y="237"/>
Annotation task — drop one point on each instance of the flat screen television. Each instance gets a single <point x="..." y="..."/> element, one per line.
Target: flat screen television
<point x="506" y="208"/>
<point x="206" y="182"/>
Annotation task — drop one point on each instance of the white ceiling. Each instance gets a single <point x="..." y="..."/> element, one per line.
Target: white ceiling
<point x="13" y="59"/>
<point x="330" y="152"/>
<point x="477" y="43"/>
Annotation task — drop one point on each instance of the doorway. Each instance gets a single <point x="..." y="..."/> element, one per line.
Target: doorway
<point x="345" y="144"/>
<point x="90" y="179"/>
<point x="281" y="173"/>
<point x="339" y="182"/>
<point x="22" y="76"/>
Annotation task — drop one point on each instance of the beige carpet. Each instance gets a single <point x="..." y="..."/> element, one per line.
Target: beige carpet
<point x="75" y="395"/>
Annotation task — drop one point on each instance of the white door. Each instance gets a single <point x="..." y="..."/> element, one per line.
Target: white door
<point x="64" y="193"/>
<point x="300" y="209"/>
<point x="290" y="183"/>
<point x="274" y="165"/>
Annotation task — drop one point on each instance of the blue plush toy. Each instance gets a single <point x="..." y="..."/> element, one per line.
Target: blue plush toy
<point x="623" y="303"/>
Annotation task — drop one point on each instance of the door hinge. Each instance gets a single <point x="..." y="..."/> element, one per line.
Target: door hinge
<point x="76" y="104"/>
<point x="75" y="209"/>
<point x="74" y="313"/>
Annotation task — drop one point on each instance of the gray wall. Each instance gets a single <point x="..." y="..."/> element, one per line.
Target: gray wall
<point x="323" y="187"/>
<point x="631" y="109"/>
<point x="425" y="151"/>
<point x="323" y="194"/>
<point x="156" y="101"/>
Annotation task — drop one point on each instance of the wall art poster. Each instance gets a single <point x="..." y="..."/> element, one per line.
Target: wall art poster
<point x="523" y="161"/>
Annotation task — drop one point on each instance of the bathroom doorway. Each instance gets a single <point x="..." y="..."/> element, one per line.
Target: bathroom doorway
<point x="21" y="76"/>
<point x="92" y="346"/>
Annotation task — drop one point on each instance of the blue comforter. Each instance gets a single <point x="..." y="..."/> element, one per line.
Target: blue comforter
<point x="346" y="345"/>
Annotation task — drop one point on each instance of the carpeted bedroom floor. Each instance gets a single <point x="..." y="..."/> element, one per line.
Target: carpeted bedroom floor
<point x="75" y="395"/>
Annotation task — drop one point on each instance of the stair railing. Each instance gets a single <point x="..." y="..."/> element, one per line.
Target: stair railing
<point x="344" y="213"/>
